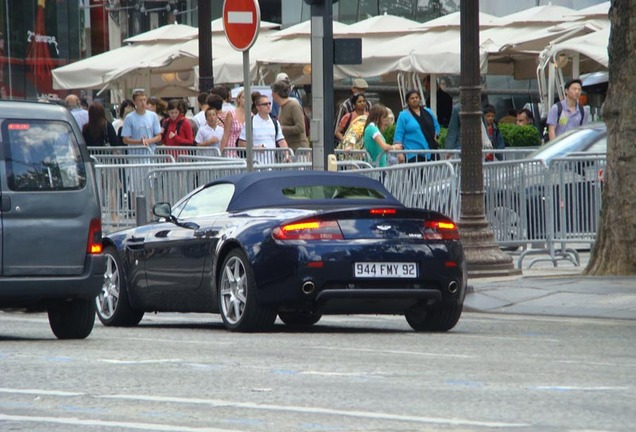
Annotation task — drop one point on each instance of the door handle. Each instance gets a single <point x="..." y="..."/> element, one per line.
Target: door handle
<point x="206" y="233"/>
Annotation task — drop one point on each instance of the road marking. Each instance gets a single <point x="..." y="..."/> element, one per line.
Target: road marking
<point x="40" y="392"/>
<point x="577" y="388"/>
<point x="237" y="17"/>
<point x="310" y="410"/>
<point x="131" y="362"/>
<point x="129" y="425"/>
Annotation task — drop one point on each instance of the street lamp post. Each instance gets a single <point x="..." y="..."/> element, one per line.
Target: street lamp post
<point x="206" y="75"/>
<point x="483" y="256"/>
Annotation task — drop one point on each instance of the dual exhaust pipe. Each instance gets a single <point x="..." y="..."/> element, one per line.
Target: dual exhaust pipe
<point x="309" y="287"/>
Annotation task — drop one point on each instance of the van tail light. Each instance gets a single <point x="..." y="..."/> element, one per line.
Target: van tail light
<point x="95" y="237"/>
<point x="308" y="230"/>
<point x="440" y="230"/>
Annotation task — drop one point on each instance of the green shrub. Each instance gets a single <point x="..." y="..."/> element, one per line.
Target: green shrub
<point x="520" y="136"/>
<point x="388" y="133"/>
<point x="442" y="137"/>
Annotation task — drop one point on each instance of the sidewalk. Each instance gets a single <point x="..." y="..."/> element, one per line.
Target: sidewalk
<point x="555" y="291"/>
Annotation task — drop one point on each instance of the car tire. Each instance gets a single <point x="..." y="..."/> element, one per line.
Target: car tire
<point x="72" y="319"/>
<point x="112" y="303"/>
<point x="238" y="303"/>
<point x="299" y="318"/>
<point x="440" y="319"/>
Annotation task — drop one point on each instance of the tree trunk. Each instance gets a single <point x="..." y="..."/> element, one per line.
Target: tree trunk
<point x="614" y="252"/>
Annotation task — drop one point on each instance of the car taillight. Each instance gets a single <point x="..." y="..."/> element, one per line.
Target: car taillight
<point x="308" y="230"/>
<point x="383" y="211"/>
<point x="440" y="230"/>
<point x="95" y="237"/>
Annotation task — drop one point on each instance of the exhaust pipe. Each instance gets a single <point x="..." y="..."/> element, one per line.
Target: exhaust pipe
<point x="308" y="288"/>
<point x="453" y="286"/>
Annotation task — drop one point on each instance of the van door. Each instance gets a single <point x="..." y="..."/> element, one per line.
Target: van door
<point x="46" y="202"/>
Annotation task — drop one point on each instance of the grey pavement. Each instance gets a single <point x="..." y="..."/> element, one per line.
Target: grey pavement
<point x="563" y="290"/>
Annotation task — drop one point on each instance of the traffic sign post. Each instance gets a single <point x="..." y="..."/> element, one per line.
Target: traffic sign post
<point x="242" y="22"/>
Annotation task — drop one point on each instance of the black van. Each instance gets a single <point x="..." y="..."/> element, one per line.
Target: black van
<point x="50" y="223"/>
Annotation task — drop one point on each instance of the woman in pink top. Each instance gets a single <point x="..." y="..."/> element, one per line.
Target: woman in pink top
<point x="233" y="121"/>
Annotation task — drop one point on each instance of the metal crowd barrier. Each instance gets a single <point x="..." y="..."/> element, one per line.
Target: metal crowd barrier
<point x="526" y="202"/>
<point x="262" y="156"/>
<point x="573" y="197"/>
<point x="188" y="151"/>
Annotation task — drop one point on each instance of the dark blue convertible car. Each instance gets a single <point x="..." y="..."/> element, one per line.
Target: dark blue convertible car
<point x="292" y="244"/>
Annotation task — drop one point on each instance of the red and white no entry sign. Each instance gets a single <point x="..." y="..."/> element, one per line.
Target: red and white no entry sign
<point x="241" y="21"/>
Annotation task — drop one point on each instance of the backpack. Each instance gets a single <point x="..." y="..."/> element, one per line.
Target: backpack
<point x="164" y="125"/>
<point x="560" y="111"/>
<point x="544" y="125"/>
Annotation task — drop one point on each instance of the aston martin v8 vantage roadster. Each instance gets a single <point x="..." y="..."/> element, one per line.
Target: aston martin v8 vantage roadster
<point x="292" y="244"/>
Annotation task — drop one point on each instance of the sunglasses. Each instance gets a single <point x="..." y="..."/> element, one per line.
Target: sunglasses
<point x="265" y="104"/>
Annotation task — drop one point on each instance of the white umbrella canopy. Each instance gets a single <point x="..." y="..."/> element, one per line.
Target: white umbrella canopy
<point x="91" y="73"/>
<point x="452" y="20"/>
<point x="538" y="15"/>
<point x="304" y="29"/>
<point x="381" y="25"/>
<point x="217" y="26"/>
<point x="592" y="47"/>
<point x="600" y="10"/>
<point x="167" y="33"/>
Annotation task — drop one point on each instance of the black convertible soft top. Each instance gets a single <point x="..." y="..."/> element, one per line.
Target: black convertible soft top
<point x="265" y="189"/>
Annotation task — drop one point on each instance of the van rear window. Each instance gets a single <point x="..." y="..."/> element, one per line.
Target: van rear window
<point x="42" y="155"/>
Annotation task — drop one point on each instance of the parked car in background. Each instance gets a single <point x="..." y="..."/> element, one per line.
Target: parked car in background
<point x="562" y="188"/>
<point x="50" y="221"/>
<point x="291" y="244"/>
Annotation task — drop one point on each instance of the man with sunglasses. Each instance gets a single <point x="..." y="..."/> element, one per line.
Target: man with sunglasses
<point x="266" y="133"/>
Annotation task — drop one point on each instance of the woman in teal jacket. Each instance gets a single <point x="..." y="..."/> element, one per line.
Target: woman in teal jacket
<point x="416" y="128"/>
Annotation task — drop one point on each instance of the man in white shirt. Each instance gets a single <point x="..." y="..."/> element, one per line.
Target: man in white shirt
<point x="211" y="133"/>
<point x="265" y="134"/>
<point x="141" y="127"/>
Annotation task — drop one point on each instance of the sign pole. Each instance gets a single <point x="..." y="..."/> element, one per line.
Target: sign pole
<point x="248" y="105"/>
<point x="241" y="23"/>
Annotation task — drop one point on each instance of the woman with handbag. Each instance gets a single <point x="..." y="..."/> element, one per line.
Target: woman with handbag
<point x="99" y="132"/>
<point x="417" y="128"/>
<point x="347" y="124"/>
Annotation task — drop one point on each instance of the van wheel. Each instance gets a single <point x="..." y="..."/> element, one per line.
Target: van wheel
<point x="72" y="319"/>
<point x="113" y="305"/>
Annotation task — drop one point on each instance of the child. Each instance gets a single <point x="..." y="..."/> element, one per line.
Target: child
<point x="211" y="133"/>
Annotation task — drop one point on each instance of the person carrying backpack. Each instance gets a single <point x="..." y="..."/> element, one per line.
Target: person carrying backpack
<point x="568" y="113"/>
<point x="177" y="130"/>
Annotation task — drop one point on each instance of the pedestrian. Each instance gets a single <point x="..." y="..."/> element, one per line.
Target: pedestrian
<point x="290" y="116"/>
<point x="177" y="130"/>
<point x="416" y="128"/>
<point x="359" y="86"/>
<point x="525" y="117"/>
<point x="199" y="117"/>
<point x="72" y="103"/>
<point x="444" y="102"/>
<point x="211" y="134"/>
<point x="374" y="142"/>
<point x="266" y="132"/>
<point x="98" y="131"/>
<point x="494" y="134"/>
<point x="232" y="124"/>
<point x="568" y="113"/>
<point x="141" y="127"/>
<point x="359" y="102"/>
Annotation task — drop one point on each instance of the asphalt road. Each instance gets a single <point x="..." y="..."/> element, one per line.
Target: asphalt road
<point x="364" y="373"/>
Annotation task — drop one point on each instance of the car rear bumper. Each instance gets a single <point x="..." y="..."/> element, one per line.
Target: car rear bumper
<point x="27" y="292"/>
<point x="375" y="301"/>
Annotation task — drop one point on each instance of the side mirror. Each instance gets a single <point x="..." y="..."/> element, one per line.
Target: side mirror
<point x="163" y="210"/>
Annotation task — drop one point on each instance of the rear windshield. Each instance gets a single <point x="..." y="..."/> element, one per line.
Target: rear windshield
<point x="322" y="192"/>
<point x="42" y="155"/>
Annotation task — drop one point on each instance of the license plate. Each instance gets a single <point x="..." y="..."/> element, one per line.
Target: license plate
<point x="385" y="270"/>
